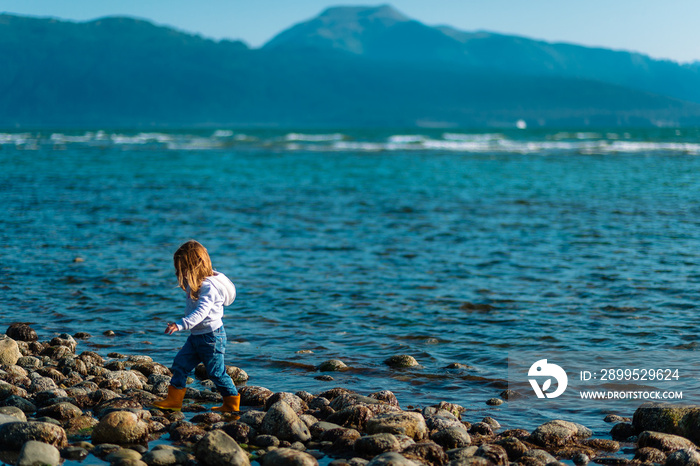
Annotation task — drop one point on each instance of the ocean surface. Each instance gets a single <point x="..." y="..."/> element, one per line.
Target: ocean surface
<point x="452" y="247"/>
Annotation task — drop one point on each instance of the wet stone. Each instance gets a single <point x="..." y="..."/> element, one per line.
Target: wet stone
<point x="450" y="438"/>
<point x="426" y="452"/>
<point x="622" y="431"/>
<point x="288" y="457"/>
<point x="35" y="453"/>
<point x="332" y="365"/>
<point x="580" y="459"/>
<point x="252" y="395"/>
<point x="74" y="453"/>
<point x="20" y="331"/>
<point x="494" y="453"/>
<point x="481" y="428"/>
<point x="401" y="361"/>
<point x="685" y="457"/>
<point x="216" y="448"/>
<point x="664" y="442"/>
<point x="649" y="455"/>
<point x="558" y="433"/>
<point x="406" y="423"/>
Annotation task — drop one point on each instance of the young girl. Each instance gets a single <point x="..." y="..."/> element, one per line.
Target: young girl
<point x="207" y="294"/>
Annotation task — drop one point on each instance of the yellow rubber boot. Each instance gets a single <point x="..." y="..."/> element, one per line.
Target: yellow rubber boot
<point x="232" y="404"/>
<point x="174" y="400"/>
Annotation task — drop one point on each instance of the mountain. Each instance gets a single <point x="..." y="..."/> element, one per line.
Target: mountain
<point x="353" y="66"/>
<point x="385" y="34"/>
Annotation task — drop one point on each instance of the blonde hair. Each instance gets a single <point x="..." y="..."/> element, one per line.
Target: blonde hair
<point x="192" y="266"/>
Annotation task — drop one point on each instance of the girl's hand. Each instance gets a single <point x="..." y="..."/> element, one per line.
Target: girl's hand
<point x="171" y="328"/>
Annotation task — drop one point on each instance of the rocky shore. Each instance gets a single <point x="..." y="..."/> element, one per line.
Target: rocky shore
<point x="59" y="404"/>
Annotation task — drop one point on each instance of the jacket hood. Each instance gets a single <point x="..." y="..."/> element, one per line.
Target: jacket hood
<point x="225" y="287"/>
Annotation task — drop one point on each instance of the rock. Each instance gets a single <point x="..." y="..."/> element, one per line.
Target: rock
<point x="426" y="452"/>
<point x="164" y="455"/>
<point x="492" y="422"/>
<point x="581" y="459"/>
<point x="614" y="418"/>
<point x="481" y="428"/>
<point x="120" y="427"/>
<point x="29" y="362"/>
<point x="320" y="427"/>
<point x="294" y="402"/>
<point x="454" y="409"/>
<point x="123" y="455"/>
<point x="20" y="403"/>
<point x="151" y="368"/>
<point x="659" y="417"/>
<point x="494" y="402"/>
<point x="494" y="453"/>
<point x="101" y="451"/>
<point x="452" y="437"/>
<point x="74" y="453"/>
<point x="42" y="384"/>
<point x="128" y="379"/>
<point x="79" y="425"/>
<point x="60" y="411"/>
<point x="332" y="365"/>
<point x="15" y="412"/>
<point x="253" y="418"/>
<point x="20" y="331"/>
<point x="239" y="431"/>
<point x="282" y="422"/>
<point x="114" y="404"/>
<point x="664" y="442"/>
<point x="649" y="455"/>
<point x="391" y="459"/>
<point x="237" y="374"/>
<point x="64" y="340"/>
<point x="9" y="352"/>
<point x="514" y="447"/>
<point x="559" y="433"/>
<point x="690" y="425"/>
<point x="308" y="419"/>
<point x="689" y="457"/>
<point x="540" y="455"/>
<point x="386" y="396"/>
<point x="265" y="441"/>
<point x="355" y="417"/>
<point x="401" y="361"/>
<point x="183" y="431"/>
<point x="460" y="454"/>
<point x="35" y="453"/>
<point x="254" y="396"/>
<point x="622" y="431"/>
<point x="217" y="448"/>
<point x="405" y="423"/>
<point x="373" y="445"/>
<point x="207" y="418"/>
<point x="288" y="457"/>
<point x="15" y="434"/>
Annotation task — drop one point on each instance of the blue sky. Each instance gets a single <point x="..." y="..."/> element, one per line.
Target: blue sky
<point x="659" y="29"/>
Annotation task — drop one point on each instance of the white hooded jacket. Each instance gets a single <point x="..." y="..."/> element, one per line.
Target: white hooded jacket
<point x="204" y="314"/>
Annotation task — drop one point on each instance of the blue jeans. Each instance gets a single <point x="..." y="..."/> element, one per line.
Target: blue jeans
<point x="209" y="349"/>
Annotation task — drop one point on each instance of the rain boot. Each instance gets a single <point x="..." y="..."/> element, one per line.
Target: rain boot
<point x="232" y="404"/>
<point x="173" y="401"/>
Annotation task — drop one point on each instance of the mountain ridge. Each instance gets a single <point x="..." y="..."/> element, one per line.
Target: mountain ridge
<point x="127" y="72"/>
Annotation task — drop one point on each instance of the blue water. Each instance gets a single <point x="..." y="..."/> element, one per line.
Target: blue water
<point x="359" y="246"/>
